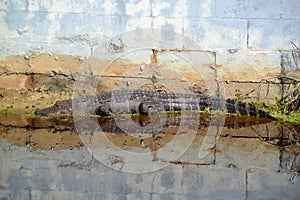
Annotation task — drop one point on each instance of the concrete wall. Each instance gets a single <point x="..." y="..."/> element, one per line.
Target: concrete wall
<point x="243" y="33"/>
<point x="245" y="40"/>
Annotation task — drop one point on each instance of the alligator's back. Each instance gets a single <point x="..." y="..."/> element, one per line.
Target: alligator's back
<point x="151" y="102"/>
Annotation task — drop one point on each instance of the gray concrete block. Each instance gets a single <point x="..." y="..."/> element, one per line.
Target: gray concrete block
<point x="248" y="9"/>
<point x="216" y="34"/>
<point x="14" y="194"/>
<point x="168" y="180"/>
<point x="251" y="65"/>
<point x="290" y="159"/>
<point x="123" y="7"/>
<point x="174" y="24"/>
<point x="246" y="153"/>
<point x="54" y="29"/>
<point x="191" y="155"/>
<point x="166" y="197"/>
<point x="13" y="5"/>
<point x="273" y="34"/>
<point x="271" y="185"/>
<point x="290" y="9"/>
<point x="132" y="183"/>
<point x="147" y="39"/>
<point x="214" y="183"/>
<point x="77" y="6"/>
<point x="9" y="49"/>
<point x="68" y="195"/>
<point x="198" y="8"/>
<point x="133" y="196"/>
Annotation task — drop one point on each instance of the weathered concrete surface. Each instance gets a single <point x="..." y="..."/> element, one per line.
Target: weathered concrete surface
<point x="272" y="185"/>
<point x="17" y="82"/>
<point x="241" y="169"/>
<point x="43" y="44"/>
<point x="76" y="28"/>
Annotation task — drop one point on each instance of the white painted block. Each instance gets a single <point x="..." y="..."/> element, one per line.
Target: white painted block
<point x="273" y="34"/>
<point x="248" y="9"/>
<point x="215" y="34"/>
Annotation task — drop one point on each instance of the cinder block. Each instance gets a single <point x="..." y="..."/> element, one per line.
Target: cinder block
<point x="13" y="5"/>
<point x="189" y="8"/>
<point x="216" y="34"/>
<point x="133" y="196"/>
<point x="290" y="9"/>
<point x="273" y="34"/>
<point x="166" y="197"/>
<point x="77" y="6"/>
<point x="91" y="195"/>
<point x="14" y="194"/>
<point x="272" y="185"/>
<point x="82" y="24"/>
<point x="191" y="155"/>
<point x="14" y="64"/>
<point x="252" y="91"/>
<point x="214" y="183"/>
<point x="150" y="38"/>
<point x="16" y="82"/>
<point x="290" y="158"/>
<point x="55" y="28"/>
<point x="135" y="183"/>
<point x="64" y="48"/>
<point x="62" y="64"/>
<point x="137" y="8"/>
<point x="124" y="7"/>
<point x="248" y="9"/>
<point x="168" y="180"/>
<point x="132" y="23"/>
<point x="24" y="22"/>
<point x="11" y="49"/>
<point x="246" y="153"/>
<point x="240" y="65"/>
<point x="175" y="24"/>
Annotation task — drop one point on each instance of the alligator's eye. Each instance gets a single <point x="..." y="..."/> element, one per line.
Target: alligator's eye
<point x="102" y="111"/>
<point x="146" y="108"/>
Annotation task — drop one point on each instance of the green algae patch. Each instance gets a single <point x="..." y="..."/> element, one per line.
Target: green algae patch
<point x="7" y="108"/>
<point x="278" y="113"/>
<point x="292" y="117"/>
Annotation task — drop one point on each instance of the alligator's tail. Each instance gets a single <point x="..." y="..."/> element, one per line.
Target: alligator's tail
<point x="238" y="107"/>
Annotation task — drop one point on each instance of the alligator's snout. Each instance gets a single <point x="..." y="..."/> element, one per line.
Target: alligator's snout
<point x="43" y="112"/>
<point x="60" y="107"/>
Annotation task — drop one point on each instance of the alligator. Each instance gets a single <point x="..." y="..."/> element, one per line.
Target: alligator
<point x="146" y="102"/>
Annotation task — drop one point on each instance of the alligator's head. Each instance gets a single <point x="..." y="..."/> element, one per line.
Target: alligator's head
<point x="59" y="108"/>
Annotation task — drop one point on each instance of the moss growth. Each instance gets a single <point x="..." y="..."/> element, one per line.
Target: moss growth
<point x="6" y="108"/>
<point x="238" y="94"/>
<point x="292" y="117"/>
<point x="277" y="112"/>
<point x="153" y="79"/>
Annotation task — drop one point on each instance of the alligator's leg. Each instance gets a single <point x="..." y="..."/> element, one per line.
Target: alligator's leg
<point x="151" y="106"/>
<point x="102" y="111"/>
